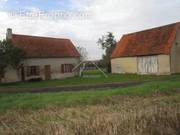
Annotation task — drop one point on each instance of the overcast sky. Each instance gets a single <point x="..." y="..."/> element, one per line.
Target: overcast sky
<point x="117" y="16"/>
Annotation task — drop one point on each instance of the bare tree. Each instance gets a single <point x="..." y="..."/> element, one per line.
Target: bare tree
<point x="83" y="52"/>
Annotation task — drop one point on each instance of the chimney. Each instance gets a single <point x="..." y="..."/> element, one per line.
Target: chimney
<point x="9" y="34"/>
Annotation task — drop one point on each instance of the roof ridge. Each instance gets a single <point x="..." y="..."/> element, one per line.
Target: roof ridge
<point x="151" y="28"/>
<point x="159" y="41"/>
<point x="40" y="37"/>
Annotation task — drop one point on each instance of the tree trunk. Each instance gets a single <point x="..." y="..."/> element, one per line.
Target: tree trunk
<point x="1" y="75"/>
<point x="109" y="68"/>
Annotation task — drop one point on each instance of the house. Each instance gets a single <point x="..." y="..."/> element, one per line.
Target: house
<point x="46" y="58"/>
<point x="152" y="51"/>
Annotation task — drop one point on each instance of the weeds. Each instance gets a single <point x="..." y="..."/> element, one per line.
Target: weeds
<point x="124" y="115"/>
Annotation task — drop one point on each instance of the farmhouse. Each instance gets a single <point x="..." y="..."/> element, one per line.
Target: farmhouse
<point x="153" y="51"/>
<point x="46" y="58"/>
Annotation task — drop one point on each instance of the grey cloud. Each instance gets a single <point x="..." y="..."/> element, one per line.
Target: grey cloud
<point x="117" y="16"/>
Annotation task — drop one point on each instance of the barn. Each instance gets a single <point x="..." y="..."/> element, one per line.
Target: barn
<point x="152" y="51"/>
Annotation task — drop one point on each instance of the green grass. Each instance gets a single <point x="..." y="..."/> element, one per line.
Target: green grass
<point x="93" y="72"/>
<point x="81" y="81"/>
<point x="36" y="101"/>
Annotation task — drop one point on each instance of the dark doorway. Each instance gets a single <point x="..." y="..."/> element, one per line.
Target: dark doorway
<point x="47" y="69"/>
<point x="22" y="74"/>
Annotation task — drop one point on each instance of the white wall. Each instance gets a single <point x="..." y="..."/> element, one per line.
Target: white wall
<point x="124" y="65"/>
<point x="164" y="64"/>
<point x="130" y="65"/>
<point x="13" y="76"/>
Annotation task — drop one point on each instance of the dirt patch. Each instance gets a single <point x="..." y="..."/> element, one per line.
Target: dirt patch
<point x="73" y="88"/>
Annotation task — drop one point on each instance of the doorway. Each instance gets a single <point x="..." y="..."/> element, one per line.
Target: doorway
<point x="22" y="74"/>
<point x="47" y="69"/>
<point x="148" y="64"/>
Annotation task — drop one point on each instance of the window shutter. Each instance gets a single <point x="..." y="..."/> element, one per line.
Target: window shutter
<point x="62" y="68"/>
<point x="38" y="70"/>
<point x="72" y="66"/>
<point x="28" y="71"/>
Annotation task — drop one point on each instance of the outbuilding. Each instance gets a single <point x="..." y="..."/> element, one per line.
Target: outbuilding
<point x="152" y="51"/>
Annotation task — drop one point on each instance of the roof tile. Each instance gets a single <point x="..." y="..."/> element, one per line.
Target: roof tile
<point x="148" y="42"/>
<point x="45" y="47"/>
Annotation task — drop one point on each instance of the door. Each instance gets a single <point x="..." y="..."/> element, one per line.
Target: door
<point x="47" y="69"/>
<point x="148" y="64"/>
<point x="22" y="74"/>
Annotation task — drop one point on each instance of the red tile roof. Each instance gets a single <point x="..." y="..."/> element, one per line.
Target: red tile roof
<point x="45" y="47"/>
<point x="149" y="42"/>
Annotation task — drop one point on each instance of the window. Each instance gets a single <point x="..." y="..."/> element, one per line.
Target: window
<point x="67" y="68"/>
<point x="33" y="71"/>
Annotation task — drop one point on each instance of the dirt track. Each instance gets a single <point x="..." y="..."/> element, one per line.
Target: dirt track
<point x="72" y="88"/>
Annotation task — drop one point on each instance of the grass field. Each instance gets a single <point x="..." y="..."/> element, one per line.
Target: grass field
<point x="152" y="108"/>
<point x="138" y="114"/>
<point x="35" y="101"/>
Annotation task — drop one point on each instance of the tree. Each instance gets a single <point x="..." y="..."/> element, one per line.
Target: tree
<point x="83" y="52"/>
<point x="9" y="56"/>
<point x="107" y="43"/>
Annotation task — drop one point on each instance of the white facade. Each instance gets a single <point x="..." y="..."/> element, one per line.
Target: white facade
<point x="157" y="64"/>
<point x="55" y="64"/>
